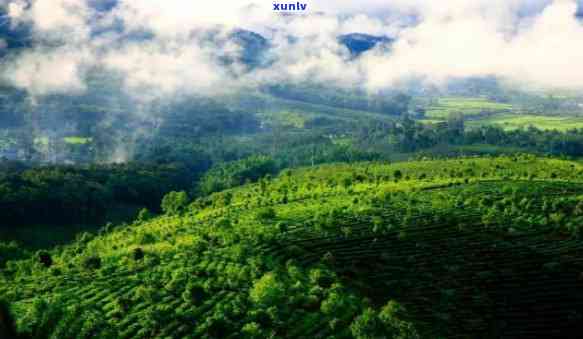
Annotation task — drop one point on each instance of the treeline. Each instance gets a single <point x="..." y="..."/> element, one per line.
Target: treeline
<point x="236" y="173"/>
<point x="91" y="195"/>
<point x="569" y="143"/>
<point x="409" y="136"/>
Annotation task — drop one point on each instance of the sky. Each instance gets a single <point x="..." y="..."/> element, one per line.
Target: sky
<point x="162" y="48"/>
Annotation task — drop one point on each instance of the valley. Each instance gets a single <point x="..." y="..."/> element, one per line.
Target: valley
<point x="327" y="169"/>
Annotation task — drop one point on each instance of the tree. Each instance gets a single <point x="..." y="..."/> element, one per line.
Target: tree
<point x="138" y="254"/>
<point x="92" y="263"/>
<point x="387" y="323"/>
<point x="45" y="258"/>
<point x="456" y="124"/>
<point x="268" y="290"/>
<point x="252" y="330"/>
<point x="194" y="293"/>
<point x="366" y="325"/>
<point x="334" y="304"/>
<point x="398" y="175"/>
<point x="175" y="202"/>
<point x="144" y="215"/>
<point x="391" y="316"/>
<point x="266" y="214"/>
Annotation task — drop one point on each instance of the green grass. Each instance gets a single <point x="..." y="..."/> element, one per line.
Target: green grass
<point x="498" y="114"/>
<point x="78" y="140"/>
<point x="512" y="122"/>
<point x="430" y="121"/>
<point x="468" y="106"/>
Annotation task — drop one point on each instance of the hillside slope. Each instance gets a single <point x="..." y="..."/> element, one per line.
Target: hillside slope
<point x="475" y="247"/>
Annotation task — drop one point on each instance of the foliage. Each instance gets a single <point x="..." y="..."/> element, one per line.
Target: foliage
<point x="267" y="290"/>
<point x="324" y="251"/>
<point x="86" y="195"/>
<point x="175" y="202"/>
<point x="11" y="251"/>
<point x="236" y="173"/>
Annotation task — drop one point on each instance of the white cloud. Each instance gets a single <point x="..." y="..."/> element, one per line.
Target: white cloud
<point x="16" y="9"/>
<point x="528" y="40"/>
<point x="42" y="72"/>
<point x="57" y="18"/>
<point x="165" y="67"/>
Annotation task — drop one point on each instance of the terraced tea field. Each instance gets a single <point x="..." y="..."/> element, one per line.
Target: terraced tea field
<point x="462" y="248"/>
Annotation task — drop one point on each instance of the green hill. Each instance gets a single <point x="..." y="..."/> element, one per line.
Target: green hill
<point x="463" y="248"/>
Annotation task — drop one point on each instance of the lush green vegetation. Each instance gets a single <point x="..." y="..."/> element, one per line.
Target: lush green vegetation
<point x="70" y="199"/>
<point x="326" y="252"/>
<point x="293" y="211"/>
<point x="77" y="140"/>
<point x="538" y="112"/>
<point x="442" y="107"/>
<point x="291" y="208"/>
<point x="518" y="121"/>
<point x="411" y="136"/>
<point x="389" y="103"/>
<point x="41" y="205"/>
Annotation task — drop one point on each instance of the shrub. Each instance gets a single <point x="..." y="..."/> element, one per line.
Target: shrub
<point x="218" y="327"/>
<point x="45" y="258"/>
<point x="267" y="290"/>
<point x="174" y="202"/>
<point x="145" y="238"/>
<point x="11" y="251"/>
<point x="138" y="254"/>
<point x="145" y="293"/>
<point x="391" y="315"/>
<point x="55" y="271"/>
<point x="252" y="330"/>
<point x="92" y="263"/>
<point x="322" y="278"/>
<point x="266" y="214"/>
<point x="194" y="293"/>
<point x="144" y="215"/>
<point x="333" y="305"/>
<point x="398" y="175"/>
<point x="366" y="325"/>
<point x="85" y="237"/>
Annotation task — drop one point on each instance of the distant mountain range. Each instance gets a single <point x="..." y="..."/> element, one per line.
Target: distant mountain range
<point x="255" y="45"/>
<point x="358" y="43"/>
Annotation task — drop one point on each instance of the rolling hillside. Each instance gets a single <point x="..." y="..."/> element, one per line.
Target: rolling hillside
<point x="473" y="247"/>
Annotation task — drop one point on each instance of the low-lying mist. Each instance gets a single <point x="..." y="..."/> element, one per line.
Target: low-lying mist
<point x="124" y="64"/>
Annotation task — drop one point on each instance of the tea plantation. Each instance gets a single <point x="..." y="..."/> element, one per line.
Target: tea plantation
<point x="461" y="248"/>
